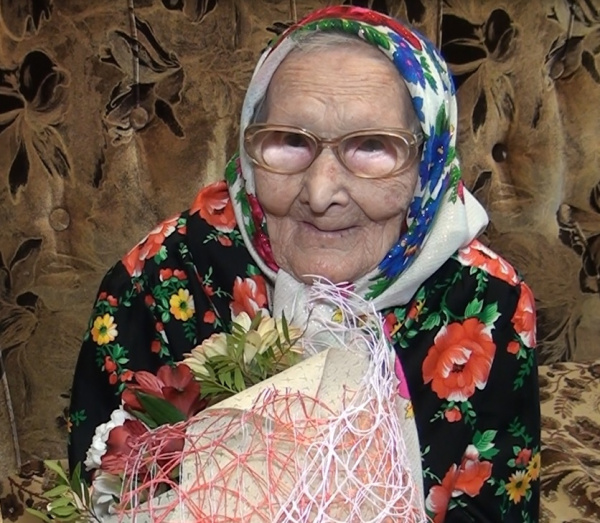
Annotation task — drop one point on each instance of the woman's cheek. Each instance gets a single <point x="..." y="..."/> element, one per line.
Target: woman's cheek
<point x="387" y="198"/>
<point x="275" y="193"/>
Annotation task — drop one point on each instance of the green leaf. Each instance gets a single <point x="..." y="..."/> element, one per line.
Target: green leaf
<point x="39" y="514"/>
<point x="474" y="308"/>
<point x="440" y="121"/>
<point x="160" y="409"/>
<point x="490" y="314"/>
<point x="59" y="503"/>
<point x="57" y="491"/>
<point x="238" y="379"/>
<point x="375" y="37"/>
<point x="484" y="440"/>
<point x="432" y="321"/>
<point x="56" y="467"/>
<point x="144" y="418"/>
<point x="286" y="331"/>
<point x="489" y="454"/>
<point x="161" y="255"/>
<point x="252" y="270"/>
<point x="165" y="317"/>
<point x="63" y="512"/>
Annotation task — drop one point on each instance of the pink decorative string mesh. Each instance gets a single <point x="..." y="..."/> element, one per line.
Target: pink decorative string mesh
<point x="337" y="455"/>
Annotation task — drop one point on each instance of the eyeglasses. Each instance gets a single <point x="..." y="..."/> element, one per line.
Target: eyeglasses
<point x="370" y="153"/>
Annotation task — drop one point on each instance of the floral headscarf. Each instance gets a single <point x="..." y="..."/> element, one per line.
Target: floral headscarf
<point x="439" y="189"/>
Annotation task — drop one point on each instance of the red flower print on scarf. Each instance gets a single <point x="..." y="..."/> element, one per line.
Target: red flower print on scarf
<point x="363" y="15"/>
<point x="214" y="205"/>
<point x="149" y="246"/>
<point x="478" y="255"/>
<point x="459" y="360"/>
<point x="249" y="295"/>
<point x="524" y="317"/>
<point x="260" y="240"/>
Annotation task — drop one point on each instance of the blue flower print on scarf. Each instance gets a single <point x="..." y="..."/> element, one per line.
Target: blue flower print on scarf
<point x="434" y="159"/>
<point x="405" y="61"/>
<point x="418" y="107"/>
<point x="435" y="152"/>
<point x="436" y="60"/>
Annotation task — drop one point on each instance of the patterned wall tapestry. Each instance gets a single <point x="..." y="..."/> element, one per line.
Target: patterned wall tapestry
<point x="113" y="114"/>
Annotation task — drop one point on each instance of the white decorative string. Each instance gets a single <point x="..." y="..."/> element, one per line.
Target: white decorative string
<point x="389" y="494"/>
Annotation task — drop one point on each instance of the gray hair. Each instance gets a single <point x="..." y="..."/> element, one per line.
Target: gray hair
<point x="308" y="42"/>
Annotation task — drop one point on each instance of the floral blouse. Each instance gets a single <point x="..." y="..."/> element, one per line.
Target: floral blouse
<point x="465" y="344"/>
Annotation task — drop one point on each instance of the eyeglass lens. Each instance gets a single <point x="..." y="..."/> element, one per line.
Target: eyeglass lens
<point x="368" y="154"/>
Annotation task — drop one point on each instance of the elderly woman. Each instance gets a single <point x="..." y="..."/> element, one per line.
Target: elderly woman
<point x="347" y="171"/>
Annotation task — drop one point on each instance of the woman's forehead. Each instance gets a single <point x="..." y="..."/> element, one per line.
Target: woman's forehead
<point x="358" y="81"/>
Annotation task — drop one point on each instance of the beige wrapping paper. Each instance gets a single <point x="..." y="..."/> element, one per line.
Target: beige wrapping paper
<point x="332" y="377"/>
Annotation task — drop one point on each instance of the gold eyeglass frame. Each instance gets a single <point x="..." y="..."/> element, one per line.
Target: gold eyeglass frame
<point x="412" y="141"/>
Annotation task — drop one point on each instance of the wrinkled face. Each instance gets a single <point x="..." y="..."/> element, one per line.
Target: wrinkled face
<point x="326" y="221"/>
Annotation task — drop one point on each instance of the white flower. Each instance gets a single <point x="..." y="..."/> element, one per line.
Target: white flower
<point x="261" y="338"/>
<point x="216" y="345"/>
<point x="105" y="488"/>
<point x="97" y="449"/>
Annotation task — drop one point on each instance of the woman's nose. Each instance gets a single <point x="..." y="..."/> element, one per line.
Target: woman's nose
<point x="325" y="182"/>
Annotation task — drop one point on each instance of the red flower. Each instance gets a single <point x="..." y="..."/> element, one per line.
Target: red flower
<point x="119" y="445"/>
<point x="390" y="325"/>
<point x="149" y="300"/>
<point x="249" y="295"/>
<point x="173" y="384"/>
<point x="225" y="241"/>
<point x="102" y="296"/>
<point x="109" y="364"/>
<point x="214" y="205"/>
<point x="263" y="248"/>
<point x="524" y="317"/>
<point x="112" y="301"/>
<point x="363" y="15"/>
<point x="513" y="347"/>
<point x="179" y="274"/>
<point x="209" y="317"/>
<point x="468" y="479"/>
<point x="453" y="414"/>
<point x="260" y="240"/>
<point x="459" y="360"/>
<point x="472" y="475"/>
<point x="478" y="255"/>
<point x="155" y="346"/>
<point x="127" y="375"/>
<point x="439" y="496"/>
<point x="165" y="274"/>
<point x="113" y="378"/>
<point x="523" y="457"/>
<point x="208" y="290"/>
<point x="133" y="261"/>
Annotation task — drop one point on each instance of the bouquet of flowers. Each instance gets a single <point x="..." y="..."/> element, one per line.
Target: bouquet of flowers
<point x="223" y="365"/>
<point x="257" y="425"/>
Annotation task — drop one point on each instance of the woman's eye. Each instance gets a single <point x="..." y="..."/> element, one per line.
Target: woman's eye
<point x="371" y="145"/>
<point x="293" y="140"/>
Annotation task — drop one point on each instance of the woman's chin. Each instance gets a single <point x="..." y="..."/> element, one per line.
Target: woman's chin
<point x="333" y="274"/>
